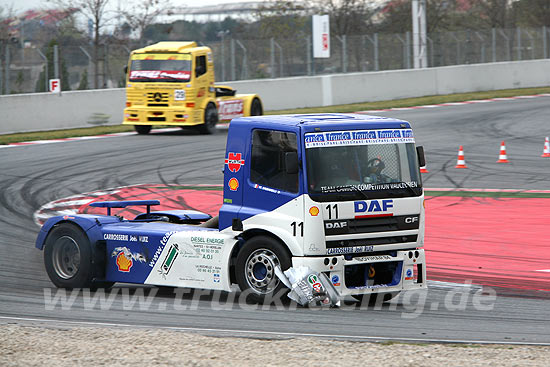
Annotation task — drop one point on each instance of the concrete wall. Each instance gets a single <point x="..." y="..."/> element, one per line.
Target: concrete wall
<point x="44" y="111"/>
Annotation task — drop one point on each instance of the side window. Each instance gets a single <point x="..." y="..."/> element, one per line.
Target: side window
<point x="268" y="160"/>
<point x="200" y="65"/>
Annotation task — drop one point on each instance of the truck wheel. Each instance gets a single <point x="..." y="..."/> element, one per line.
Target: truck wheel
<point x="210" y="120"/>
<point x="256" y="108"/>
<point x="68" y="257"/>
<point x="255" y="267"/>
<point x="143" y="129"/>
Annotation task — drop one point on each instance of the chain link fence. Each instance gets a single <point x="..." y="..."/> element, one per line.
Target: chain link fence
<point x="24" y="69"/>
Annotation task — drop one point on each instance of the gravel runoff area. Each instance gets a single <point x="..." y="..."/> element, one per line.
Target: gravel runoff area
<point x="22" y="345"/>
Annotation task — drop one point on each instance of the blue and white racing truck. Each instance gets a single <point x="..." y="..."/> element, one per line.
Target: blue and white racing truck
<point x="340" y="194"/>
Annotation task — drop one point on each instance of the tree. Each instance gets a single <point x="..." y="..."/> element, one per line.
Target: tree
<point x="532" y="13"/>
<point x="40" y="83"/>
<point x="493" y="13"/>
<point x="143" y="14"/>
<point x="95" y="11"/>
<point x="440" y="16"/>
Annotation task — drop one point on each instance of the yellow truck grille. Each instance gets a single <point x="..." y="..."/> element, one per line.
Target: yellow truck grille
<point x="157" y="99"/>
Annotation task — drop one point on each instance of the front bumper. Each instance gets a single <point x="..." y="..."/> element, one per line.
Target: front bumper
<point x="402" y="270"/>
<point x="163" y="116"/>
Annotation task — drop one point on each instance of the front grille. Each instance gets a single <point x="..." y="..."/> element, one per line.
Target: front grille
<point x="372" y="241"/>
<point x="371" y="225"/>
<point x="157" y="99"/>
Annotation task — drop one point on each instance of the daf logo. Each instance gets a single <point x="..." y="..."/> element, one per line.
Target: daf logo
<point x="157" y="97"/>
<point x="336" y="225"/>
<point x="410" y="220"/>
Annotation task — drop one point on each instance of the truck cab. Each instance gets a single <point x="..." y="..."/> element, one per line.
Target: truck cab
<point x="342" y="192"/>
<point x="172" y="84"/>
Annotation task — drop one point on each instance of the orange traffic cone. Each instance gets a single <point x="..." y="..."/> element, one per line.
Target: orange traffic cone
<point x="502" y="158"/>
<point x="546" y="152"/>
<point x="460" y="163"/>
<point x="423" y="169"/>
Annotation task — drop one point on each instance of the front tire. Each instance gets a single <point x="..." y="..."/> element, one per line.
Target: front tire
<point x="142" y="129"/>
<point x="210" y="120"/>
<point x="255" y="268"/>
<point x="68" y="257"/>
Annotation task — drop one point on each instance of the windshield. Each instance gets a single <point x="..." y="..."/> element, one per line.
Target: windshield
<point x="160" y="68"/>
<point x="352" y="165"/>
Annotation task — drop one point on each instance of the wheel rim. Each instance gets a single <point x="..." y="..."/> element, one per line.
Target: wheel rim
<point x="260" y="271"/>
<point x="66" y="257"/>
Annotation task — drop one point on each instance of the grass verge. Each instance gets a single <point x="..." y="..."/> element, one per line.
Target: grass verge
<point x="398" y="103"/>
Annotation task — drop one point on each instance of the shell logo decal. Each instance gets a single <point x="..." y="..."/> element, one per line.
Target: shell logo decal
<point x="125" y="258"/>
<point x="123" y="263"/>
<point x="233" y="184"/>
<point x="314" y="211"/>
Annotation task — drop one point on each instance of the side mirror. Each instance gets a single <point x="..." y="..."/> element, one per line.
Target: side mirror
<point x="125" y="69"/>
<point x="291" y="162"/>
<point x="421" y="157"/>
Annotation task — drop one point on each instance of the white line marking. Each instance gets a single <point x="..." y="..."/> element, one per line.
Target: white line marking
<point x="544" y="270"/>
<point x="272" y="333"/>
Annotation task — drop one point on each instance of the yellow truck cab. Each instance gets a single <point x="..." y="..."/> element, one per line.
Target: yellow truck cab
<point x="172" y="83"/>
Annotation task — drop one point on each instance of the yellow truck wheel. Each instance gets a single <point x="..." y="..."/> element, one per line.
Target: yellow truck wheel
<point x="210" y="119"/>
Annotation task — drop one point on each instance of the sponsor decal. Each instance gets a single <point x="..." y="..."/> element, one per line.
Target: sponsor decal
<point x="169" y="260"/>
<point x="373" y="206"/>
<point x="349" y="250"/>
<point x="313" y="280"/>
<point x="163" y="242"/>
<point x="374" y="258"/>
<point x="67" y="217"/>
<point x="228" y="201"/>
<point x="201" y="92"/>
<point x="361" y="137"/>
<point x="409" y="274"/>
<point x="228" y="110"/>
<point x="125" y="258"/>
<point x="314" y="211"/>
<point x="269" y="189"/>
<point x="116" y="237"/>
<point x="160" y="74"/>
<point x="216" y="277"/>
<point x="335" y="280"/>
<point x="234" y="161"/>
<point x="233" y="184"/>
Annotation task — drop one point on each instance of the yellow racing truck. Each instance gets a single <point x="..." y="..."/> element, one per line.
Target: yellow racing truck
<point x="172" y="83"/>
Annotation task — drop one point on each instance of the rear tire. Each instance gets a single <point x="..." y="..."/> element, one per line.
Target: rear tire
<point x="210" y="120"/>
<point x="68" y="257"/>
<point x="255" y="268"/>
<point x="142" y="129"/>
<point x="256" y="108"/>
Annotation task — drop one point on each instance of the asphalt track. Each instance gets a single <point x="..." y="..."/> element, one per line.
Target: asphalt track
<point x="34" y="175"/>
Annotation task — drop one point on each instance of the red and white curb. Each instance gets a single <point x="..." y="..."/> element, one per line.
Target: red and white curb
<point x="456" y="103"/>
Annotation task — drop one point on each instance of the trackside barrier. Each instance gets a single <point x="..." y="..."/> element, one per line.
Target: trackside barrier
<point x="44" y="111"/>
